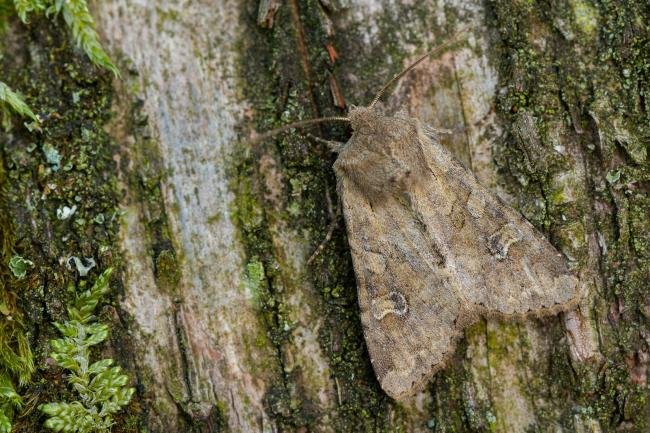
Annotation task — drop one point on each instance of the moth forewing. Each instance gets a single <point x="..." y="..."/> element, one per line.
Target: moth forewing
<point x="432" y="250"/>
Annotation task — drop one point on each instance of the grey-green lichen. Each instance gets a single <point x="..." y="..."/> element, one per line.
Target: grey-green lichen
<point x="19" y="266"/>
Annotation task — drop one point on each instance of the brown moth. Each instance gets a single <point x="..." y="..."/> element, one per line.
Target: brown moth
<point x="432" y="249"/>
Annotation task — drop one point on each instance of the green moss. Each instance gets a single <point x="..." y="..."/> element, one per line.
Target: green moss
<point x="12" y="100"/>
<point x="101" y="386"/>
<point x="498" y="343"/>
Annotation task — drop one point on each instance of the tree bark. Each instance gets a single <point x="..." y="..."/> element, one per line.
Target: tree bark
<point x="219" y="319"/>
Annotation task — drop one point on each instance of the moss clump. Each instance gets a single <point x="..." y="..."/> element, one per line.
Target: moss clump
<point x="81" y="23"/>
<point x="101" y="386"/>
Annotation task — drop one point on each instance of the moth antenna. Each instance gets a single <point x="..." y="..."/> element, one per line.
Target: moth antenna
<point x="308" y="122"/>
<point x="440" y="48"/>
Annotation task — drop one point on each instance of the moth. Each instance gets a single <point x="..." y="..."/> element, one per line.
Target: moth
<point x="432" y="249"/>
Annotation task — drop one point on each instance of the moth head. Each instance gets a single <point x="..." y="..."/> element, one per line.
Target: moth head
<point x="362" y="118"/>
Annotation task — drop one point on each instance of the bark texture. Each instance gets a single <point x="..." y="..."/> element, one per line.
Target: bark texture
<point x="218" y="318"/>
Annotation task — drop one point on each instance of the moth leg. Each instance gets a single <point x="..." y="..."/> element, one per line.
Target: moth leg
<point x="330" y="231"/>
<point x="334" y="146"/>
